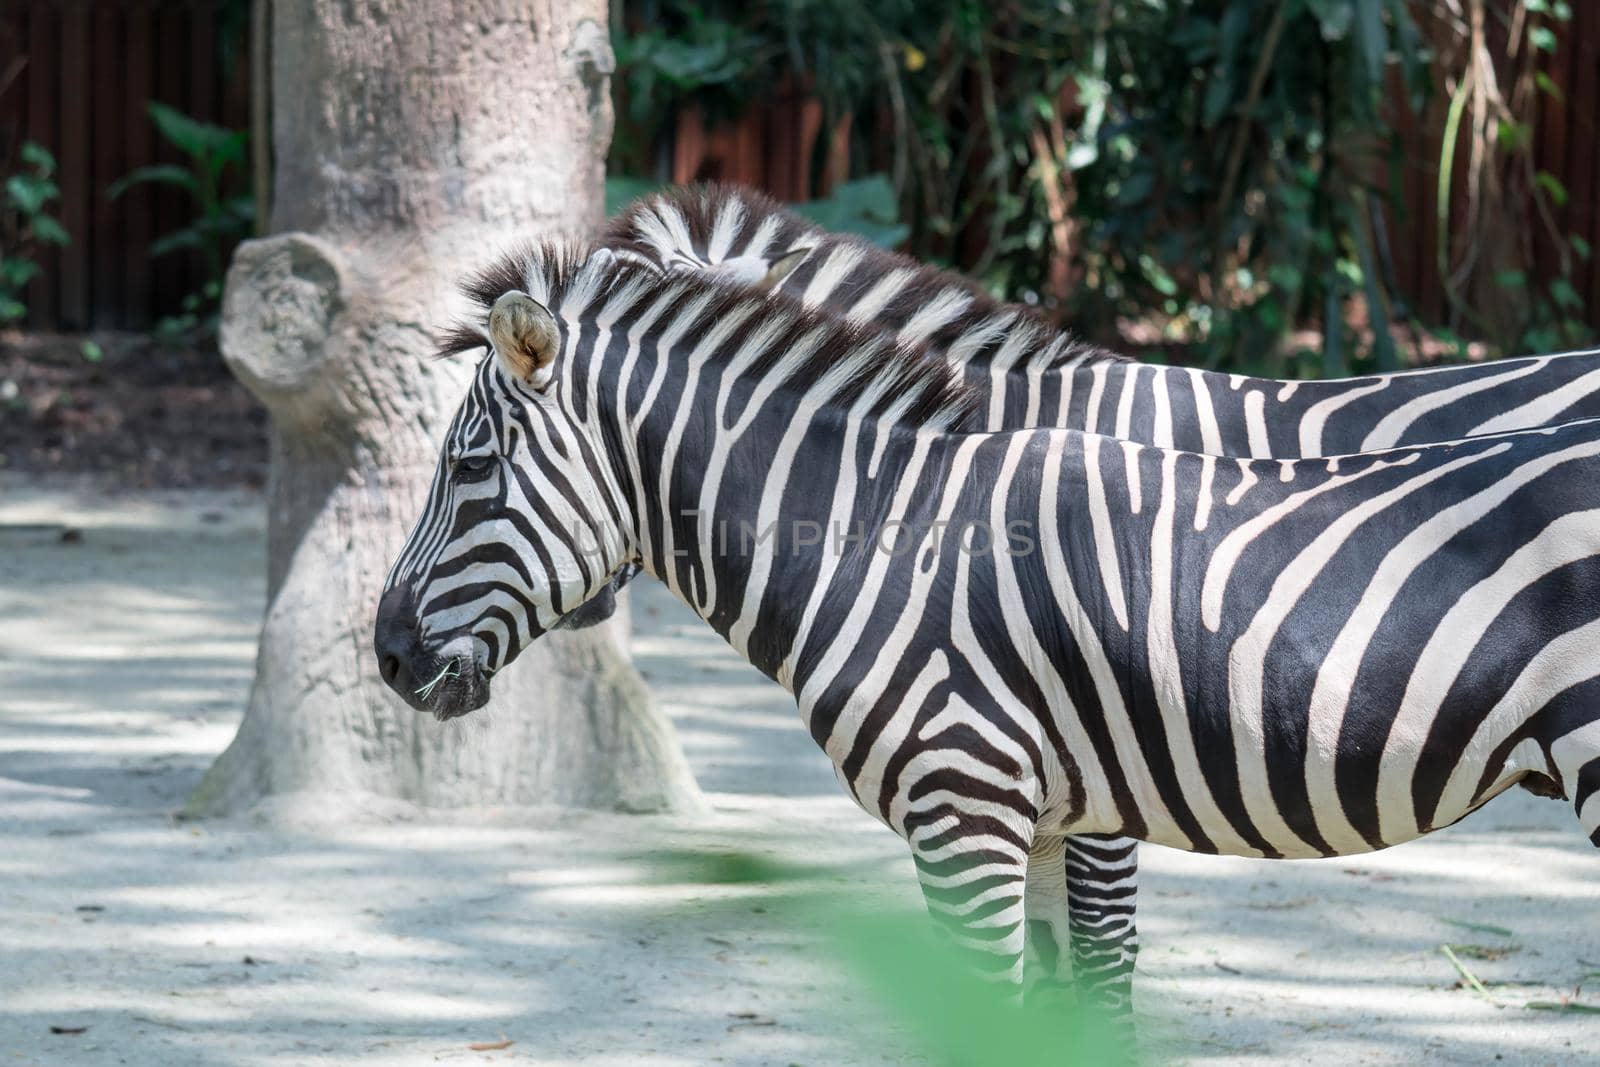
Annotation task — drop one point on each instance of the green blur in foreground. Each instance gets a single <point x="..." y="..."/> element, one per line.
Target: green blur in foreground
<point x="906" y="987"/>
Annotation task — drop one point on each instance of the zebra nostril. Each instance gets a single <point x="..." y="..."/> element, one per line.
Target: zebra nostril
<point x="389" y="666"/>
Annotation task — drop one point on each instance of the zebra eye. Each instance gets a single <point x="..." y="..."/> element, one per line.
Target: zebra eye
<point x="472" y="468"/>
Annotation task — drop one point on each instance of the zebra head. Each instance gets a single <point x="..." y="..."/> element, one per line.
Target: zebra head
<point x="523" y="526"/>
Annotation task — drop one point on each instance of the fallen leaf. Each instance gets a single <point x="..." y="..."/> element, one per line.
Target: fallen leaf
<point x="1563" y="1006"/>
<point x="1482" y="928"/>
<point x="1485" y="952"/>
<point x="1282" y="905"/>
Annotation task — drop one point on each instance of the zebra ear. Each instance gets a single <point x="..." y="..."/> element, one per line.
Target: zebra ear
<point x="525" y="338"/>
<point x="781" y="268"/>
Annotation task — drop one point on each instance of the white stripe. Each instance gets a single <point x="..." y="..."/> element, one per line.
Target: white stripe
<point x="724" y="230"/>
<point x="1105" y="544"/>
<point x="1130" y="758"/>
<point x="1256" y="424"/>
<point x="934" y="314"/>
<point x="840" y="262"/>
<point x="1219" y="568"/>
<point x="1543" y="409"/>
<point x="871" y="304"/>
<point x="1567" y="661"/>
<point x="1166" y="674"/>
<point x="1393" y="426"/>
<point x="1314" y="422"/>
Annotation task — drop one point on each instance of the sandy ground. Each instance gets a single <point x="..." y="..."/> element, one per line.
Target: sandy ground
<point x="125" y="655"/>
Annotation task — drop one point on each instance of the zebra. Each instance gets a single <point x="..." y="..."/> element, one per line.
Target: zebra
<point x="1031" y="374"/>
<point x="740" y="235"/>
<point x="1275" y="658"/>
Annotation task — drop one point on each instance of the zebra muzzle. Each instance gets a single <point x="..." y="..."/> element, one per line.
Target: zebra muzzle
<point x="446" y="681"/>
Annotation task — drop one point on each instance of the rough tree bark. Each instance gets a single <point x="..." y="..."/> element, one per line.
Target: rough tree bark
<point x="413" y="140"/>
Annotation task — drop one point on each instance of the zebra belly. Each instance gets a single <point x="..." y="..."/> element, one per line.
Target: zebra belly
<point x="1331" y="806"/>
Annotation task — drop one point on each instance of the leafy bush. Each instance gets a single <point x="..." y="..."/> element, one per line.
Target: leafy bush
<point x="865" y="207"/>
<point x="1223" y="169"/>
<point x="1485" y="252"/>
<point x="220" y="221"/>
<point x="25" y="224"/>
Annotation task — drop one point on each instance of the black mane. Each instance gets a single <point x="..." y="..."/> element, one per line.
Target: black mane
<point x="921" y="389"/>
<point x="654" y="225"/>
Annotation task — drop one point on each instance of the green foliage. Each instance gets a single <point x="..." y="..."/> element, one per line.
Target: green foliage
<point x="1223" y="168"/>
<point x="1484" y="251"/>
<point x="622" y="191"/>
<point x="920" y="983"/>
<point x="900" y="983"/>
<point x="1245" y="183"/>
<point x="865" y="207"/>
<point x="707" y="60"/>
<point x="26" y="224"/>
<point x="220" y="221"/>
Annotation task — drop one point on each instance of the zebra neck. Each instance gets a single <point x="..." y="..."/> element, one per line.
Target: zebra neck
<point x="751" y="521"/>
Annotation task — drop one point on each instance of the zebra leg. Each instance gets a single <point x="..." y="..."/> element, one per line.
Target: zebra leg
<point x="1081" y="939"/>
<point x="1576" y="756"/>
<point x="1047" y="970"/>
<point x="1101" y="885"/>
<point x="973" y="872"/>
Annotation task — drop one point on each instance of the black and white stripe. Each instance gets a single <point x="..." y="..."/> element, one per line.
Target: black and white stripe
<point x="1260" y="657"/>
<point x="1032" y="375"/>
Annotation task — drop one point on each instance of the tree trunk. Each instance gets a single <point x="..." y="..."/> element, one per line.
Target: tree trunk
<point x="413" y="142"/>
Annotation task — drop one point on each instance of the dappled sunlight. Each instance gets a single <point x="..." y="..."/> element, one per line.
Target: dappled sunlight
<point x="735" y="724"/>
<point x="595" y="939"/>
<point x="83" y="739"/>
<point x="1343" y="956"/>
<point x="638" y="896"/>
<point x="205" y="1000"/>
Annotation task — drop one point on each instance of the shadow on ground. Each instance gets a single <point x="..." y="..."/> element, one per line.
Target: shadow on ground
<point x="126" y="655"/>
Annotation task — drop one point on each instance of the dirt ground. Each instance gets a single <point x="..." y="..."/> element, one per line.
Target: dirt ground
<point x="126" y="631"/>
<point x="128" y="409"/>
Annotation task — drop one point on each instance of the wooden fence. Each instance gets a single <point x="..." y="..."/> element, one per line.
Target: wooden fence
<point x="92" y="65"/>
<point x="1566" y="143"/>
<point x="771" y="147"/>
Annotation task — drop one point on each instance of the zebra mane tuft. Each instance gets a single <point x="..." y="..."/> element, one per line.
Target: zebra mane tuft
<point x="713" y="217"/>
<point x="539" y="268"/>
<point x="803" y="345"/>
<point x="664" y="223"/>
